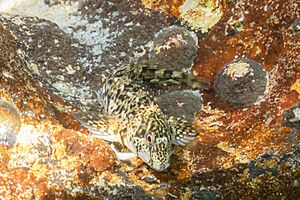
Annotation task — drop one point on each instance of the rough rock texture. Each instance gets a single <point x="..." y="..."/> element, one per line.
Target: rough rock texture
<point x="174" y="47"/>
<point x="10" y="123"/>
<point x="50" y="67"/>
<point x="291" y="117"/>
<point x="241" y="82"/>
<point x="47" y="153"/>
<point x="183" y="103"/>
<point x="197" y="15"/>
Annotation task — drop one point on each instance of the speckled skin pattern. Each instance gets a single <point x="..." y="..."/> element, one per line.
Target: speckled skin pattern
<point x="141" y="125"/>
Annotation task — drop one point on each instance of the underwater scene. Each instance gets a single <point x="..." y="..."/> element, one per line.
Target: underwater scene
<point x="150" y="99"/>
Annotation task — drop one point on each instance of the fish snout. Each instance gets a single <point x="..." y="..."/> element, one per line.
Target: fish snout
<point x="160" y="167"/>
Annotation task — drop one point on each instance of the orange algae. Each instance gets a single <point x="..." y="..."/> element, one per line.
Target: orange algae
<point x="170" y="7"/>
<point x="296" y="87"/>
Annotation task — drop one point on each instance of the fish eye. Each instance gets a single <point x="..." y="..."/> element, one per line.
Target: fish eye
<point x="149" y="138"/>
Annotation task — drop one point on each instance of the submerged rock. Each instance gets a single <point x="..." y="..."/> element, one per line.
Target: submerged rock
<point x="206" y="194"/>
<point x="54" y="158"/>
<point x="241" y="82"/>
<point x="175" y="48"/>
<point x="197" y="15"/>
<point x="291" y="117"/>
<point x="10" y="123"/>
<point x="180" y="104"/>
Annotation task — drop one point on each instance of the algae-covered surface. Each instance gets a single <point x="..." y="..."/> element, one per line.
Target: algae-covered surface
<point x="54" y="54"/>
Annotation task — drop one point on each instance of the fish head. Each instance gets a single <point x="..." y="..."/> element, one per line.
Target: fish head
<point x="151" y="140"/>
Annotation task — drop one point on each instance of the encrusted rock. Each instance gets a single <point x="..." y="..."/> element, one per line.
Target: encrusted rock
<point x="296" y="26"/>
<point x="61" y="63"/>
<point x="206" y="194"/>
<point x="180" y="104"/>
<point x="10" y="123"/>
<point x="175" y="48"/>
<point x="264" y="165"/>
<point x="201" y="15"/>
<point x="198" y="15"/>
<point x="238" y="153"/>
<point x="241" y="82"/>
<point x="291" y="117"/>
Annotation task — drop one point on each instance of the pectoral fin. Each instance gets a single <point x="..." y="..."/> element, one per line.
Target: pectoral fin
<point x="183" y="131"/>
<point x="98" y="125"/>
<point x="122" y="155"/>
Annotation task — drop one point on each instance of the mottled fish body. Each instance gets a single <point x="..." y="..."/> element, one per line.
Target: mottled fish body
<point x="141" y="125"/>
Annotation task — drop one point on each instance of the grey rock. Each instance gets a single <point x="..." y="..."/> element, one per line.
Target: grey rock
<point x="175" y="48"/>
<point x="182" y="103"/>
<point x="241" y="82"/>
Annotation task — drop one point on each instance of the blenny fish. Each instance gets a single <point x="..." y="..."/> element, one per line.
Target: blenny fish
<point x="129" y="114"/>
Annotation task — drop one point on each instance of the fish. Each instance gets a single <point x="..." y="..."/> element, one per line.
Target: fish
<point x="131" y="117"/>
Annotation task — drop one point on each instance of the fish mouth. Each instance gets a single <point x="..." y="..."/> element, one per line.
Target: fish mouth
<point x="160" y="167"/>
<point x="157" y="166"/>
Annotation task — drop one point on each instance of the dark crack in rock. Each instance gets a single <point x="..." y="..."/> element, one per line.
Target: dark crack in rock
<point x="241" y="82"/>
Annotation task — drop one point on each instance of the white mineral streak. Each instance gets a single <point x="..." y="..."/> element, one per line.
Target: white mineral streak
<point x="66" y="17"/>
<point x="28" y="137"/>
<point x="31" y="8"/>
